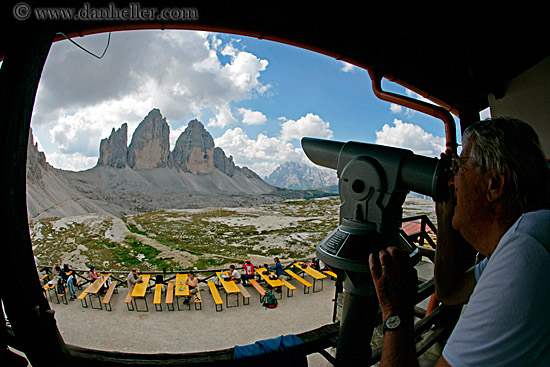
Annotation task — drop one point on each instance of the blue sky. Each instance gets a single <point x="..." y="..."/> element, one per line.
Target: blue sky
<point x="257" y="98"/>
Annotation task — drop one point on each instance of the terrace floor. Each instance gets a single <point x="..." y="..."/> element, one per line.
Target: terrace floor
<point x="201" y="330"/>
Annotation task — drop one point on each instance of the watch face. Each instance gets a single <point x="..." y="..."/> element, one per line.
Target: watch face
<point x="393" y="322"/>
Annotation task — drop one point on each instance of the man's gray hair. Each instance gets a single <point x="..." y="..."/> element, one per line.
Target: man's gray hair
<point x="502" y="143"/>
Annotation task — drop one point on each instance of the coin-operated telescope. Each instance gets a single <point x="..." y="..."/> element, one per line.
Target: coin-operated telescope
<point x="374" y="181"/>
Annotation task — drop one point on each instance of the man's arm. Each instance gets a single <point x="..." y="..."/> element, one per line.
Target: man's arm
<point x="395" y="280"/>
<point x="454" y="257"/>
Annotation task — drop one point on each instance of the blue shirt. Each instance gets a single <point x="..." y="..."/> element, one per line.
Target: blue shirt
<point x="278" y="269"/>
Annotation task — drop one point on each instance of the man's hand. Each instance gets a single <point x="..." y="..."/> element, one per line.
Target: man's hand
<point x="396" y="282"/>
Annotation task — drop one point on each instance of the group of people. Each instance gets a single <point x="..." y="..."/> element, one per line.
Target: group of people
<point x="497" y="207"/>
<point x="65" y="276"/>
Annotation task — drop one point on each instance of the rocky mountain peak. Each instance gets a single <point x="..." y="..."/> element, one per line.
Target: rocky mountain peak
<point x="299" y="176"/>
<point x="194" y="149"/>
<point x="36" y="161"/>
<point x="113" y="150"/>
<point x="150" y="146"/>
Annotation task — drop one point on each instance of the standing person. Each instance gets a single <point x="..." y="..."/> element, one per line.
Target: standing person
<point x="498" y="204"/>
<point x="132" y="279"/>
<point x="69" y="279"/>
<point x="248" y="272"/>
<point x="55" y="272"/>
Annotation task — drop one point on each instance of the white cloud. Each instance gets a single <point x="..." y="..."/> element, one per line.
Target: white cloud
<point x="252" y="117"/>
<point x="265" y="153"/>
<point x="223" y="118"/>
<point x="395" y="108"/>
<point x="346" y="67"/>
<point x="310" y="125"/>
<point x="179" y="72"/>
<point x="410" y="136"/>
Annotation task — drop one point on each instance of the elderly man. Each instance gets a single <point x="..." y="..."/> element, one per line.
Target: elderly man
<point x="500" y="206"/>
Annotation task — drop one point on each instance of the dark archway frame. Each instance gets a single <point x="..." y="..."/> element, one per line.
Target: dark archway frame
<point x="459" y="83"/>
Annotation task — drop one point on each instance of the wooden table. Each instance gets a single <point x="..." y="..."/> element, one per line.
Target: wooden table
<point x="316" y="275"/>
<point x="139" y="291"/>
<point x="273" y="283"/>
<point x="94" y="288"/>
<point x="230" y="287"/>
<point x="182" y="289"/>
<point x="51" y="286"/>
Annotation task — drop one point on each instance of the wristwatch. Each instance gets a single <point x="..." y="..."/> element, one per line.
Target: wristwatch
<point x="392" y="323"/>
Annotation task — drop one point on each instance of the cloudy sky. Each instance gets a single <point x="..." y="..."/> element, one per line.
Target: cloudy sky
<point x="255" y="97"/>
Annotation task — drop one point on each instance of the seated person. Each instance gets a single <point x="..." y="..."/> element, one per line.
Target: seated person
<point x="248" y="271"/>
<point x="133" y="279"/>
<point x="234" y="275"/>
<point x="277" y="268"/>
<point x="193" y="283"/>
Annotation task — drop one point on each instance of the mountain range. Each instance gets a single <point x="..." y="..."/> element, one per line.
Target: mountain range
<point x="299" y="176"/>
<point x="145" y="176"/>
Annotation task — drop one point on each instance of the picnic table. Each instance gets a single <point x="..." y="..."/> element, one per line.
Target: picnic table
<point x="182" y="289"/>
<point x="94" y="288"/>
<point x="139" y="291"/>
<point x="230" y="287"/>
<point x="316" y="275"/>
<point x="49" y="286"/>
<point x="273" y="283"/>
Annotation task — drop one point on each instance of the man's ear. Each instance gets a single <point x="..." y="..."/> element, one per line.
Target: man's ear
<point x="497" y="183"/>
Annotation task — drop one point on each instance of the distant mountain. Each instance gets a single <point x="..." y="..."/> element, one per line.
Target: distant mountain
<point x="299" y="176"/>
<point x="145" y="175"/>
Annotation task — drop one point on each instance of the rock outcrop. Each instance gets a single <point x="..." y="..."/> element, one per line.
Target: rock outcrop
<point x="150" y="146"/>
<point x="36" y="162"/>
<point x="194" y="149"/>
<point x="224" y="164"/>
<point x="113" y="150"/>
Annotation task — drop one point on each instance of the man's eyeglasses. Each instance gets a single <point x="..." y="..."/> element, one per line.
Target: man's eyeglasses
<point x="457" y="163"/>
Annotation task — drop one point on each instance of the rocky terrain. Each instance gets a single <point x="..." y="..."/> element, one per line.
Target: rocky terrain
<point x="187" y="238"/>
<point x="145" y="176"/>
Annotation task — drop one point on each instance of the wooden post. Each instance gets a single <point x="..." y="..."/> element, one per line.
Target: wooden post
<point x="27" y="309"/>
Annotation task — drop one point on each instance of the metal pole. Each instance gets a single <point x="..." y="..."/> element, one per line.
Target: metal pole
<point x="358" y="319"/>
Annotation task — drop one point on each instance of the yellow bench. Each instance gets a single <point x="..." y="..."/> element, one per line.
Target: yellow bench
<point x="312" y="273"/>
<point x="259" y="288"/>
<point x="216" y="295"/>
<point x="197" y="299"/>
<point x="63" y="295"/>
<point x="306" y="284"/>
<point x="289" y="288"/>
<point x="107" y="298"/>
<point x="331" y="273"/>
<point x="157" y="298"/>
<point x="244" y="292"/>
<point x="44" y="278"/>
<point x="128" y="300"/>
<point x="170" y="295"/>
<point x="82" y="298"/>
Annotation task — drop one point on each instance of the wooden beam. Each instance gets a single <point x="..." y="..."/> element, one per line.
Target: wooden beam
<point x="26" y="308"/>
